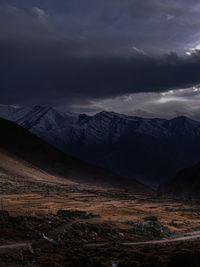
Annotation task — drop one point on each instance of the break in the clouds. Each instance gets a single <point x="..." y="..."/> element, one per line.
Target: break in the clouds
<point x="77" y="53"/>
<point x="169" y="104"/>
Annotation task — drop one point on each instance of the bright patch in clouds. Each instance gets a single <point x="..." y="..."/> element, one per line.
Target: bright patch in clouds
<point x="167" y="104"/>
<point x="193" y="50"/>
<point x="40" y="13"/>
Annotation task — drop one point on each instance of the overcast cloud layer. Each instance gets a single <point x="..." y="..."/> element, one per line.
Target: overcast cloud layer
<point x="77" y="53"/>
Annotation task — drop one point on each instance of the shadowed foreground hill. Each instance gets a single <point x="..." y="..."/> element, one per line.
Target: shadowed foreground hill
<point x="20" y="149"/>
<point x="185" y="184"/>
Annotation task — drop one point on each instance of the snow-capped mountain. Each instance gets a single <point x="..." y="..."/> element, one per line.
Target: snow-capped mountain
<point x="150" y="150"/>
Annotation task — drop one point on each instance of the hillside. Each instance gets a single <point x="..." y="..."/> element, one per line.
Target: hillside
<point x="25" y="155"/>
<point x="185" y="184"/>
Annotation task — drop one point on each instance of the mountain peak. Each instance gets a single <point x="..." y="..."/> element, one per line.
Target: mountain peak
<point x="112" y="114"/>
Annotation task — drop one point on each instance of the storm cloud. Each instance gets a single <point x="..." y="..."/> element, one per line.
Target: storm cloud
<point x="75" y="52"/>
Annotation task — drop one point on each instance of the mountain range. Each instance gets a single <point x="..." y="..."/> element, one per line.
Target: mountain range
<point x="148" y="150"/>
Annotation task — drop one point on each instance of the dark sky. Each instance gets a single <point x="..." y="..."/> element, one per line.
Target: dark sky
<point x="133" y="56"/>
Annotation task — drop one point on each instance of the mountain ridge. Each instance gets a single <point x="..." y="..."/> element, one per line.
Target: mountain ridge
<point x="148" y="150"/>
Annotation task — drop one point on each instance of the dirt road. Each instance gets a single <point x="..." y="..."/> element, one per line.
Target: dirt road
<point x="27" y="246"/>
<point x="187" y="237"/>
<point x="15" y="247"/>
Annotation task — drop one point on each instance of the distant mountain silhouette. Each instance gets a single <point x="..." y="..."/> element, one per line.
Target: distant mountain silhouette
<point x="185" y="184"/>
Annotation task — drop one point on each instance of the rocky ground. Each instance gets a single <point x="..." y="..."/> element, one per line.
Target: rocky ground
<point x="73" y="225"/>
<point x="63" y="239"/>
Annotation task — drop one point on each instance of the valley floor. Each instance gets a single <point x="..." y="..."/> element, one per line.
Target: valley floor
<point x="58" y="223"/>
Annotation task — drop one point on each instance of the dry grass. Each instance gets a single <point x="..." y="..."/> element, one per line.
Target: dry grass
<point x="28" y="191"/>
<point x="100" y="201"/>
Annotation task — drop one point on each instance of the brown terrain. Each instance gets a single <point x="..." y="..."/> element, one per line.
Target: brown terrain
<point x="58" y="211"/>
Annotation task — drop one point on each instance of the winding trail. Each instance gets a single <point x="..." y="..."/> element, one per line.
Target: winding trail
<point x="15" y="247"/>
<point x="27" y="246"/>
<point x="187" y="237"/>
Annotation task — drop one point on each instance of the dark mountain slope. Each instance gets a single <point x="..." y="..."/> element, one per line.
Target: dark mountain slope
<point x="19" y="142"/>
<point x="185" y="184"/>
